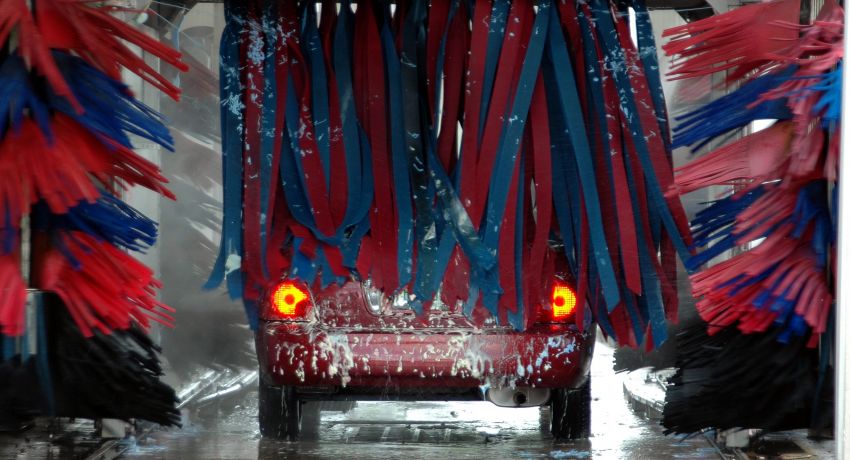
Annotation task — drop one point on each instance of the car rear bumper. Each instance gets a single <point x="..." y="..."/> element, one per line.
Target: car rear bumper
<point x="302" y="355"/>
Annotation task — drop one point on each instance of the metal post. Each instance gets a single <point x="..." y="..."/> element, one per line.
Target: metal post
<point x="842" y="282"/>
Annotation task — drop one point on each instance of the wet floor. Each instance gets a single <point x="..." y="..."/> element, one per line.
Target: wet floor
<point x="456" y="430"/>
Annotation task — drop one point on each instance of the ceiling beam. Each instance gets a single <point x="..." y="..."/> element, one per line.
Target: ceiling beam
<point x="691" y="10"/>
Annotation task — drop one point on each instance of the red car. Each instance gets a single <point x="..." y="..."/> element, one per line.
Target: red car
<point x="351" y="342"/>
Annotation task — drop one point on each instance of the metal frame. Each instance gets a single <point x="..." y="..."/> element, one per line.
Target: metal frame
<point x="842" y="282"/>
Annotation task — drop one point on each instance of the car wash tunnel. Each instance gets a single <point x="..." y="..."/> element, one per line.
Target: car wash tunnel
<point x="374" y="229"/>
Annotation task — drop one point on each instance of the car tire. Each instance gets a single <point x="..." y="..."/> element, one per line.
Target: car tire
<point x="279" y="412"/>
<point x="570" y="413"/>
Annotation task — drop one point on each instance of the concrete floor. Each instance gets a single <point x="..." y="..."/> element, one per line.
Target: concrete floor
<point x="474" y="430"/>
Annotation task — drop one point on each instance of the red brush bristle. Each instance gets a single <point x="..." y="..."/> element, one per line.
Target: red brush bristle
<point x="755" y="158"/>
<point x="32" y="46"/>
<point x="88" y="30"/>
<point x="108" y="290"/>
<point x="61" y="173"/>
<point x="742" y="40"/>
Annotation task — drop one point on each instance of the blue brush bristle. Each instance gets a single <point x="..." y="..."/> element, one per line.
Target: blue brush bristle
<point x="110" y="111"/>
<point x="829" y="102"/>
<point x="111" y="220"/>
<point x="9" y="235"/>
<point x="713" y="226"/>
<point x="109" y="108"/>
<point x="18" y="98"/>
<point x="732" y="111"/>
<point x="812" y="213"/>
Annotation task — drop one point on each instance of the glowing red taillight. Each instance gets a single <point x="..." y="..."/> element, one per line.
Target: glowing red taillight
<point x="289" y="300"/>
<point x="563" y="301"/>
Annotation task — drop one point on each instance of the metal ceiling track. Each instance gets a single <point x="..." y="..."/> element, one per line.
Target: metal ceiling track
<point x="689" y="9"/>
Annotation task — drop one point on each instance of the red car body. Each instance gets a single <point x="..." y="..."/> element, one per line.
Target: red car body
<point x="350" y="342"/>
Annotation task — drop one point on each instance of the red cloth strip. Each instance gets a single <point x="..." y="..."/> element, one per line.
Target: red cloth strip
<point x="278" y="218"/>
<point x="455" y="284"/>
<point x="669" y="278"/>
<point x="369" y="82"/>
<point x="504" y="87"/>
<point x="506" y="254"/>
<point x="472" y="103"/>
<point x="327" y="23"/>
<point x="541" y="153"/>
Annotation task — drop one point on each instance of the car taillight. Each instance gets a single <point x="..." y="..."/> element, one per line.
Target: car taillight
<point x="289" y="300"/>
<point x="563" y="302"/>
<point x="561" y="305"/>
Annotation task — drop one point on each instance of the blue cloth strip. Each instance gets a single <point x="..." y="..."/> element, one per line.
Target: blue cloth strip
<point x="358" y="161"/>
<point x="509" y="145"/>
<point x="495" y="38"/>
<point x="648" y="53"/>
<point x="319" y="80"/>
<point x="608" y="34"/>
<point x="400" y="163"/>
<point x="228" y="264"/>
<point x="568" y="97"/>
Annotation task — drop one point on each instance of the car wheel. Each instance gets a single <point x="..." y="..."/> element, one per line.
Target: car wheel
<point x="570" y="413"/>
<point x="279" y="412"/>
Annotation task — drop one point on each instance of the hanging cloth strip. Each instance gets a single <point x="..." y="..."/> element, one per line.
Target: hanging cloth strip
<point x="603" y="95"/>
<point x="565" y="93"/>
<point x="435" y="158"/>
<point x="370" y="99"/>
<point x="451" y="61"/>
<point x="358" y="160"/>
<point x="496" y="168"/>
<point x="229" y="262"/>
<point x="409" y="157"/>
